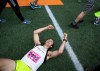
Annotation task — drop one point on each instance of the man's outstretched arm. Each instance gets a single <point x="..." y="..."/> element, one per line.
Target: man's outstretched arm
<point x="55" y="53"/>
<point x="36" y="33"/>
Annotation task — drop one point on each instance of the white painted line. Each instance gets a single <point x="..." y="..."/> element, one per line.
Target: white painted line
<point x="69" y="49"/>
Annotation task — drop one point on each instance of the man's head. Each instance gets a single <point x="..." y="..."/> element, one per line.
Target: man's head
<point x="49" y="43"/>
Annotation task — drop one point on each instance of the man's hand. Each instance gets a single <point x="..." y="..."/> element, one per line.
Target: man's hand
<point x="50" y="27"/>
<point x="65" y="36"/>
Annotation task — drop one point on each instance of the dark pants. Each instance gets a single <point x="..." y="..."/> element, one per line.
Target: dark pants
<point x="14" y="5"/>
<point x="89" y="5"/>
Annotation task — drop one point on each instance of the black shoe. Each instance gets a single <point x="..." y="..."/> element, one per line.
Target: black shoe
<point x="74" y="26"/>
<point x="81" y="21"/>
<point x="2" y="20"/>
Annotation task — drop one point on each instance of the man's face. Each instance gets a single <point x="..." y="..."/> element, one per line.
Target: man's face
<point x="49" y="42"/>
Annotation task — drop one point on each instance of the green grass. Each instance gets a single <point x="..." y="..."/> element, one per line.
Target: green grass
<point x="16" y="38"/>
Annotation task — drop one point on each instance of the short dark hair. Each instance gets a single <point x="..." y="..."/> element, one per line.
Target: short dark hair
<point x="51" y="45"/>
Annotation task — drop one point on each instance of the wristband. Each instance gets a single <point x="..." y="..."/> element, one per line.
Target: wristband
<point x="65" y="40"/>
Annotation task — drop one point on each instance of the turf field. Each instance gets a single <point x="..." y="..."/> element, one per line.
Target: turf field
<point x="16" y="38"/>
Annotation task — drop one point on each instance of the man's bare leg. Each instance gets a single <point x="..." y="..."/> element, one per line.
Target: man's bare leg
<point x="7" y="64"/>
<point x="78" y="19"/>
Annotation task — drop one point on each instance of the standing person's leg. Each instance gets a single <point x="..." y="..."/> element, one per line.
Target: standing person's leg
<point x="87" y="8"/>
<point x="2" y="6"/>
<point x="34" y="4"/>
<point x="7" y="65"/>
<point x="16" y="8"/>
<point x="80" y="17"/>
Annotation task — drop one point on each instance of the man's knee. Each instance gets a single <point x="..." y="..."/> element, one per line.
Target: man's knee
<point x="7" y="64"/>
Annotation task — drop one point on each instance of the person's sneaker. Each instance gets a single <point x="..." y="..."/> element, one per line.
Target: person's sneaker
<point x="26" y="22"/>
<point x="34" y="6"/>
<point x="96" y="22"/>
<point x="81" y="21"/>
<point x="75" y="26"/>
<point x="2" y="20"/>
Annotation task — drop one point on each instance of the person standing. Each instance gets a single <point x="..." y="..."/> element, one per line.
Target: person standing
<point x="87" y="8"/>
<point x="16" y="9"/>
<point x="36" y="56"/>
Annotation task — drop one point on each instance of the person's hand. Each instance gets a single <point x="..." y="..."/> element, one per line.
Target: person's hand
<point x="65" y="36"/>
<point x="50" y="27"/>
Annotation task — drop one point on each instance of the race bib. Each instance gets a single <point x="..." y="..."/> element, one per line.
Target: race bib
<point x="33" y="56"/>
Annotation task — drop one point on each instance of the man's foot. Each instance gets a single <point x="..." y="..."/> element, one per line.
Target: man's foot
<point x="26" y="22"/>
<point x="75" y="26"/>
<point x="2" y="20"/>
<point x="96" y="22"/>
<point x="34" y="6"/>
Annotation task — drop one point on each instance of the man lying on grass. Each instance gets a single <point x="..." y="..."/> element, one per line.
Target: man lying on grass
<point x="36" y="56"/>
